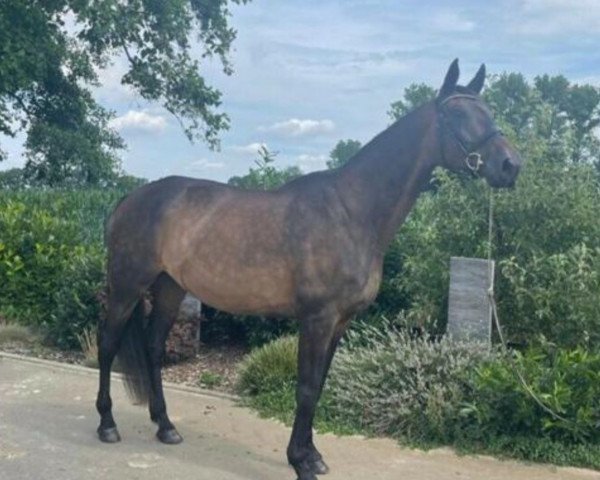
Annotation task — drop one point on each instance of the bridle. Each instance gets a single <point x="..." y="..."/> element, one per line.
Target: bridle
<point x="473" y="159"/>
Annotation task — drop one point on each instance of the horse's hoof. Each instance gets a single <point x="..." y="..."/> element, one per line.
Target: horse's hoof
<point x="109" y="435"/>
<point x="320" y="467"/>
<point x="170" y="437"/>
<point x="307" y="469"/>
<point x="307" y="476"/>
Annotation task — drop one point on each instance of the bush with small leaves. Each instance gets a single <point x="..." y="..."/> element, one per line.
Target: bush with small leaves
<point x="269" y="368"/>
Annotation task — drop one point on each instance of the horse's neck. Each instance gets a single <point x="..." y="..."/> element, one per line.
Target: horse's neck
<point x="381" y="183"/>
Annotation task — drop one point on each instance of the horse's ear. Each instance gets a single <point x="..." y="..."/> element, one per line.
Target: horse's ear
<point x="476" y="84"/>
<point x="451" y="79"/>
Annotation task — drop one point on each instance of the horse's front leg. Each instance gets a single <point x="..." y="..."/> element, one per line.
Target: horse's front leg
<point x="316" y="347"/>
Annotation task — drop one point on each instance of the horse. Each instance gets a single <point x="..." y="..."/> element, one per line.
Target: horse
<point x="312" y="249"/>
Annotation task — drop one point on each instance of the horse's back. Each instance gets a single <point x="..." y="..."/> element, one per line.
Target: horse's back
<point x="224" y="244"/>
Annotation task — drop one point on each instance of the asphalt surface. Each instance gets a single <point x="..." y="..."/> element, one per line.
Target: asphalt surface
<point x="48" y="422"/>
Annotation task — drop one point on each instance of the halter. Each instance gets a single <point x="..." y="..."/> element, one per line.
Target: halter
<point x="473" y="159"/>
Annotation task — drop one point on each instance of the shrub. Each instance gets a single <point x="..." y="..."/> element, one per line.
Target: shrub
<point x="430" y="393"/>
<point x="51" y="258"/>
<point x="546" y="232"/>
<point x="554" y="295"/>
<point x="76" y="305"/>
<point x="566" y="381"/>
<point x="270" y="368"/>
<point x="403" y="387"/>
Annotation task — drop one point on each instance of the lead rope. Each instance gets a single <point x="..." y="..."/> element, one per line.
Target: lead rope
<point x="492" y="300"/>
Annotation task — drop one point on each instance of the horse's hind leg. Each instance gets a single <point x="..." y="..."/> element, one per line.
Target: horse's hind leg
<point x="122" y="304"/>
<point x="167" y="297"/>
<point x="127" y="279"/>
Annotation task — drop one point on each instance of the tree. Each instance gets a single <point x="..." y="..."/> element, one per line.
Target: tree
<point x="574" y="106"/>
<point x="11" y="179"/>
<point x="266" y="176"/>
<point x="415" y="95"/>
<point x="561" y="115"/>
<point x="50" y="55"/>
<point x="343" y="151"/>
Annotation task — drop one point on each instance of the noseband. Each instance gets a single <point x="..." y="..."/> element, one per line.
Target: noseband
<point x="473" y="159"/>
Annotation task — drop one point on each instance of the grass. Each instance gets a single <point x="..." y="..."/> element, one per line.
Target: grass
<point x="210" y="379"/>
<point x="281" y="404"/>
<point x="89" y="347"/>
<point x="539" y="450"/>
<point x="13" y="333"/>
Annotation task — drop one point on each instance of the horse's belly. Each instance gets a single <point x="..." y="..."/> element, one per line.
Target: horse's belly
<point x="232" y="255"/>
<point x="235" y="289"/>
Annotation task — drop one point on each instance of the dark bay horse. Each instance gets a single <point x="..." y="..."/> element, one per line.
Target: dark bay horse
<point x="312" y="250"/>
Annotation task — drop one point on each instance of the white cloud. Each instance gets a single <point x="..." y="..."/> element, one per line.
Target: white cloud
<point x="295" y="127"/>
<point x="139" y="120"/>
<point x="309" y="163"/>
<point x="549" y="17"/>
<point x="205" y="164"/>
<point x="581" y="5"/>
<point x="250" y="149"/>
<point x="452" y="22"/>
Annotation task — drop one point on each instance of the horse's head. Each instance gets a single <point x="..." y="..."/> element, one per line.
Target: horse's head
<point x="469" y="138"/>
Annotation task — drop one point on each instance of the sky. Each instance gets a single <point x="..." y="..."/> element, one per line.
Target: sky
<point x="308" y="73"/>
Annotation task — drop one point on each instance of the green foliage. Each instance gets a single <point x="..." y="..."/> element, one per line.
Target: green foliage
<point x="555" y="294"/>
<point x="451" y="221"/>
<point x="566" y="381"/>
<point x="415" y="95"/>
<point x="50" y="55"/>
<point x="270" y="368"/>
<point x="543" y="450"/>
<point x="52" y="258"/>
<point x="343" y="151"/>
<point x="391" y="384"/>
<point x="12" y="178"/>
<point x="267" y="381"/>
<point x="546" y="232"/>
<point x="75" y="302"/>
<point x="210" y="379"/>
<point x="551" y="115"/>
<point x="382" y="382"/>
<point x="576" y="107"/>
<point x="266" y="176"/>
<point x="279" y="404"/>
<point x="444" y="393"/>
<point x="77" y="149"/>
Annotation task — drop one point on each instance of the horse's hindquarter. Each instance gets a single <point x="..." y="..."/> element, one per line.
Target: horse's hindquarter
<point x="226" y="246"/>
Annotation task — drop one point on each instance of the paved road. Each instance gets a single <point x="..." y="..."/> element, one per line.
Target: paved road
<point x="48" y="421"/>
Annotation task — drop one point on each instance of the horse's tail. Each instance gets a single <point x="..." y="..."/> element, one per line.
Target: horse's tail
<point x="133" y="358"/>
